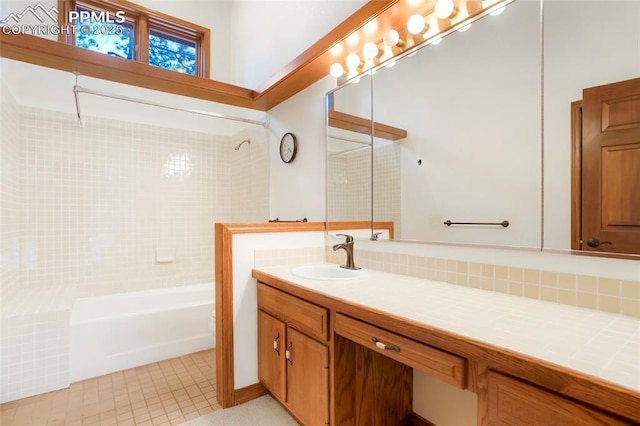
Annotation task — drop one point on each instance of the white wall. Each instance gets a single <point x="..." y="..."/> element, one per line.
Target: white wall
<point x="245" y="299"/>
<point x="298" y="188"/>
<point x="587" y="44"/>
<point x="267" y="35"/>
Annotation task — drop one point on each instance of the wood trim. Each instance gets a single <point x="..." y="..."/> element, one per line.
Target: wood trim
<point x="340" y="226"/>
<point x="341" y="120"/>
<point x="304" y="70"/>
<point x="249" y="393"/>
<point x="48" y="53"/>
<point x="569" y="383"/>
<point x="226" y="393"/>
<point x="576" y="173"/>
<point x="417" y="420"/>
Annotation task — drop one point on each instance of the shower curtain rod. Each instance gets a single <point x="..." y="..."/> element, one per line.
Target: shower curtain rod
<point x="78" y="89"/>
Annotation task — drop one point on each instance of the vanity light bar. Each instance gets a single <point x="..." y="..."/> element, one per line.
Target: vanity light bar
<point x="377" y="54"/>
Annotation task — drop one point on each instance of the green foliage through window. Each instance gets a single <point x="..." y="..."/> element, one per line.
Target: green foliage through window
<point x="171" y="52"/>
<point x="104" y="37"/>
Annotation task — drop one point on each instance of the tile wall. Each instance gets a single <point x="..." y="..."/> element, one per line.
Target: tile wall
<point x="84" y="210"/>
<point x="604" y="294"/>
<point x="10" y="200"/>
<point x="349" y="186"/>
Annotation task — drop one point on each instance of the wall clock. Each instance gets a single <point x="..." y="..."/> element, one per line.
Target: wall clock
<point x="288" y="147"/>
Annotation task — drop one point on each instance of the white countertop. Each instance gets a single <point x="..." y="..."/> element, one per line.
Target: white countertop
<point x="597" y="343"/>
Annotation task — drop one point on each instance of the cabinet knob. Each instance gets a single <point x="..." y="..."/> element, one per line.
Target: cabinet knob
<point x="275" y="344"/>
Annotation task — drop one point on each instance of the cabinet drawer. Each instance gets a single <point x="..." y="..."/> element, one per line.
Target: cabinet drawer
<point x="434" y="362"/>
<point x="512" y="402"/>
<point x="306" y="317"/>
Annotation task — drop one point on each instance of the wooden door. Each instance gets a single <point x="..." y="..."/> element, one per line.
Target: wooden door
<point x="271" y="351"/>
<point x="611" y="168"/>
<point x="307" y="379"/>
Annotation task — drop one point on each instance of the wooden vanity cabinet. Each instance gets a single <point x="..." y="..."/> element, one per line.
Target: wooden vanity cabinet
<point x="509" y="401"/>
<point x="293" y="354"/>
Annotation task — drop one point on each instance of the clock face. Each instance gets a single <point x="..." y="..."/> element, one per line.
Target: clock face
<point x="288" y="145"/>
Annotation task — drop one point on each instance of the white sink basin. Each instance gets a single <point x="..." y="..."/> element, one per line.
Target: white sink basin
<point x="328" y="273"/>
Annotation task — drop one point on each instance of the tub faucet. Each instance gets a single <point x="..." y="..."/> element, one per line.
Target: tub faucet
<point x="348" y="247"/>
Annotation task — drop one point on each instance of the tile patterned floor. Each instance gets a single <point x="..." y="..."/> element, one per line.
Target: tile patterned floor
<point x="169" y="392"/>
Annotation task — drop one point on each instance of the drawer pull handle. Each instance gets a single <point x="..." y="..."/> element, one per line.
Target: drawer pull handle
<point x="381" y="345"/>
<point x="275" y="343"/>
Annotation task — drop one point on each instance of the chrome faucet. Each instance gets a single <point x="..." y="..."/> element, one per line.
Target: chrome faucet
<point x="348" y="247"/>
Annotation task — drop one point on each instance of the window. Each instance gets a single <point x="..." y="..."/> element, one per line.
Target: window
<point x="129" y="31"/>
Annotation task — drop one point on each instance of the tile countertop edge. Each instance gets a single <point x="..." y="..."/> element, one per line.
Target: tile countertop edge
<point x="312" y="290"/>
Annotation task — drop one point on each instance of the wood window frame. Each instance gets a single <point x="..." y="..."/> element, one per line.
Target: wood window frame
<point x="144" y="21"/>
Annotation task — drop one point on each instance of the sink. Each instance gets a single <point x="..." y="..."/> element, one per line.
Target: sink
<point x="328" y="273"/>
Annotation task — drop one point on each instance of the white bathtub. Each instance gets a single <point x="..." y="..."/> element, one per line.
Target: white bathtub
<point x="121" y="331"/>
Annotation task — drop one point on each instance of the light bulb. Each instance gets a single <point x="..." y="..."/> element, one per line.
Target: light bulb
<point x="497" y="11"/>
<point x="370" y="27"/>
<point x="370" y="50"/>
<point x="336" y="50"/>
<point x="391" y="38"/>
<point x="353" y="61"/>
<point x="353" y="39"/>
<point x="415" y="24"/>
<point x="444" y="9"/>
<point x="465" y="28"/>
<point x="336" y="70"/>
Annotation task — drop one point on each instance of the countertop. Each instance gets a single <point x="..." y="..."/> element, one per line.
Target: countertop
<point x="597" y="343"/>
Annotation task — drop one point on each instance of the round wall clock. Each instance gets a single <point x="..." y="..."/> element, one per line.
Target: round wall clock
<point x="288" y="146"/>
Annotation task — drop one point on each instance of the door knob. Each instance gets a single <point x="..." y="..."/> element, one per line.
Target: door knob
<point x="594" y="242"/>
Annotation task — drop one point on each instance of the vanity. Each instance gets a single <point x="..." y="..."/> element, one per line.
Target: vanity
<point x="343" y="352"/>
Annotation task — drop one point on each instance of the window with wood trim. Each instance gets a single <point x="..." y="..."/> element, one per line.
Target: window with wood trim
<point x="130" y="31"/>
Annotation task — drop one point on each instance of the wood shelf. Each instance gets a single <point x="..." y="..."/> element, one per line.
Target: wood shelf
<point x="341" y="120"/>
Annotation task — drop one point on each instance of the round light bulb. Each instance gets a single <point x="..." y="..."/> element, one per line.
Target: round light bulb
<point x="336" y="50"/>
<point x="391" y="38"/>
<point x="336" y="70"/>
<point x="353" y="61"/>
<point x="370" y="27"/>
<point x="497" y="11"/>
<point x="444" y="8"/>
<point x="415" y="24"/>
<point x="370" y="50"/>
<point x="465" y="28"/>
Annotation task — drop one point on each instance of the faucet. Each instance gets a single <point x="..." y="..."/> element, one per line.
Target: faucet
<point x="348" y="247"/>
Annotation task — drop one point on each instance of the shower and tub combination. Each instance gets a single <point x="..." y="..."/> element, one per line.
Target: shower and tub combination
<point x="121" y="331"/>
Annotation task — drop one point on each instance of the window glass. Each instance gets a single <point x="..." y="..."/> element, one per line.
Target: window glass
<point x="104" y="37"/>
<point x="171" y="52"/>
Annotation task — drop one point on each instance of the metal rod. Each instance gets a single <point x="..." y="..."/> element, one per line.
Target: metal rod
<point x="77" y="89"/>
<point x="504" y="223"/>
<point x="75" y="94"/>
<point x="277" y="219"/>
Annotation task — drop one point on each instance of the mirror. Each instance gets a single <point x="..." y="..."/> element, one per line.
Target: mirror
<point x="349" y="144"/>
<point x="587" y="44"/>
<point x="470" y="108"/>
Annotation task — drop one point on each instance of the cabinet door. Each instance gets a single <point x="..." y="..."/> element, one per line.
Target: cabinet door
<point x="271" y="360"/>
<point x="307" y="379"/>
<point x="512" y="402"/>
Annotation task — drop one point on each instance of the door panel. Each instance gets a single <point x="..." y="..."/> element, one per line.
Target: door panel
<point x="271" y="361"/>
<point x="611" y="167"/>
<point x="308" y="379"/>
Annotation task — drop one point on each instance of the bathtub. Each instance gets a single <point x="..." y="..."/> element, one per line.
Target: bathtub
<point x="121" y="331"/>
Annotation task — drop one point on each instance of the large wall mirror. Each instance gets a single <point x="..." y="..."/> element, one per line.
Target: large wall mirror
<point x="588" y="44"/>
<point x="462" y="139"/>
